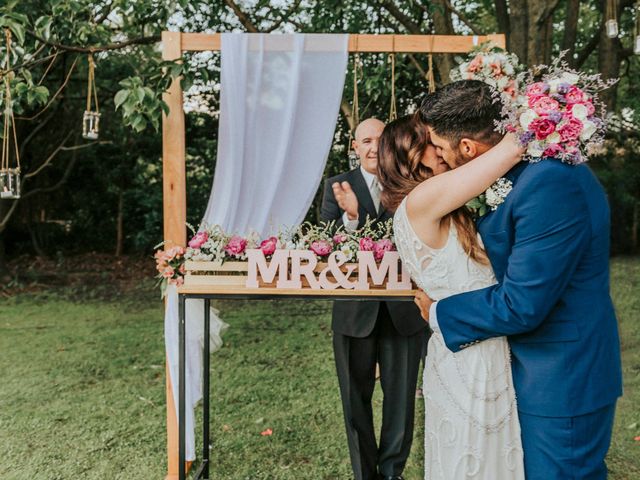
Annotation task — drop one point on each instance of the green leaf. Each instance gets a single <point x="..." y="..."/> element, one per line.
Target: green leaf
<point x="139" y="91"/>
<point x="43" y="27"/>
<point x="120" y="97"/>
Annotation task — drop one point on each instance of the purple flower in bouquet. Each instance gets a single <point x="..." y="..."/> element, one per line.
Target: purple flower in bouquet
<point x="555" y="117"/>
<point x="199" y="239"/>
<point x="526" y="137"/>
<point x="322" y="248"/>
<point x="269" y="245"/>
<point x="366" y="244"/>
<point x="381" y="246"/>
<point x="236" y="245"/>
<point x="563" y="88"/>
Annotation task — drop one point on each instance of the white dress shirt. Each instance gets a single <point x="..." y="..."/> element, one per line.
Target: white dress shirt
<point x="352" y="225"/>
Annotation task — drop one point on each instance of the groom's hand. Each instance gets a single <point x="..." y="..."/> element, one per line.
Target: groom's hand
<point x="423" y="302"/>
<point x="346" y="199"/>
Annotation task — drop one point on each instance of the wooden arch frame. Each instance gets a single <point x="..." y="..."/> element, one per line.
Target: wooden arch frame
<point x="174" y="146"/>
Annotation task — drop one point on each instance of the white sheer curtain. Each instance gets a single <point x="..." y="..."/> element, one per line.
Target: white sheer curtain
<point x="280" y="98"/>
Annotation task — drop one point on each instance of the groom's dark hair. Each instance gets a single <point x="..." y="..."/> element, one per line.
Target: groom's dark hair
<point x="463" y="109"/>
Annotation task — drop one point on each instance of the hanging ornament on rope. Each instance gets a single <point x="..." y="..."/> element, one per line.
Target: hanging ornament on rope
<point x="636" y="39"/>
<point x="354" y="161"/>
<point x="9" y="171"/>
<point x="430" y="76"/>
<point x="611" y="25"/>
<point x="91" y="118"/>
<point x="393" y="108"/>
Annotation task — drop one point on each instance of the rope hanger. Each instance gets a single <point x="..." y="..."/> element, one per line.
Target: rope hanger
<point x="9" y="121"/>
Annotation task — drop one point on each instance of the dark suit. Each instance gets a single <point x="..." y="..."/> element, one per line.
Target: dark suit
<point x="365" y="333"/>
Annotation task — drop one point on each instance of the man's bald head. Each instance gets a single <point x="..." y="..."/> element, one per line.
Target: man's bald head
<point x="365" y="143"/>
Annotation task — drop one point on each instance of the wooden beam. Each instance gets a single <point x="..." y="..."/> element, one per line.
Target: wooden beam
<point x="174" y="208"/>
<point x="372" y="43"/>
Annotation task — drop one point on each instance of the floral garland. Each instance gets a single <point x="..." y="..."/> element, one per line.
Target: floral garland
<point x="492" y="65"/>
<point x="212" y="244"/>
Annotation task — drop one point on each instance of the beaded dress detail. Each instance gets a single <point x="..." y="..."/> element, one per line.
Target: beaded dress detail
<point x="471" y="420"/>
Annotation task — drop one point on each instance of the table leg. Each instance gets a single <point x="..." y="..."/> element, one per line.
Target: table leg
<point x="182" y="387"/>
<point x="205" y="389"/>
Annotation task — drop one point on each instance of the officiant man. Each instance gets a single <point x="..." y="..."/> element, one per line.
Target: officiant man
<point x="390" y="334"/>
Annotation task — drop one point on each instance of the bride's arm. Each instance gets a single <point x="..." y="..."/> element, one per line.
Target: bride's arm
<point x="436" y="197"/>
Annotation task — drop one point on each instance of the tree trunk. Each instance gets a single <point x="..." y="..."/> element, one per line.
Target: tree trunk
<point x="572" y="9"/>
<point x="119" y="224"/>
<point x="5" y="275"/>
<point x="519" y="30"/>
<point x="502" y="15"/>
<point x="443" y="25"/>
<point x="609" y="60"/>
<point x="540" y="27"/>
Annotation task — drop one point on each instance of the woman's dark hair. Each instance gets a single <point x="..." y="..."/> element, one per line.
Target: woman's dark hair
<point x="463" y="109"/>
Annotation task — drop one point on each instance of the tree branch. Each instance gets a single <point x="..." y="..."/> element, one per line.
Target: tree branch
<point x="49" y="159"/>
<point x="103" y="48"/>
<point x="284" y="16"/>
<point x="403" y="19"/>
<point x="61" y="182"/>
<point x="243" y="17"/>
<point x="547" y="12"/>
<point x="463" y="18"/>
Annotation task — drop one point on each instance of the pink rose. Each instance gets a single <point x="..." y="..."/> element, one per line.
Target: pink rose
<point x="537" y="89"/>
<point x="339" y="238"/>
<point x="174" y="252"/>
<point x="553" y="150"/>
<point x="570" y="130"/>
<point x="382" y="246"/>
<point x="545" y="105"/>
<point x="199" y="239"/>
<point x="269" y="245"/>
<point x="236" y="245"/>
<point x="476" y="64"/>
<point x="168" y="272"/>
<point x="533" y="99"/>
<point x="366" y="244"/>
<point x="322" y="248"/>
<point x="574" y="95"/>
<point x="510" y="89"/>
<point x="496" y="69"/>
<point x="542" y="128"/>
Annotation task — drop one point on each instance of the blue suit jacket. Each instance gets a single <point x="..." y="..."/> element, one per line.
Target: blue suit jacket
<point x="549" y="247"/>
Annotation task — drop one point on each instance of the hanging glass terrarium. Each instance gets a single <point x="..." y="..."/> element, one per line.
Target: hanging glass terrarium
<point x="10" y="162"/>
<point x="91" y="118"/>
<point x="611" y="25"/>
<point x="612" y="28"/>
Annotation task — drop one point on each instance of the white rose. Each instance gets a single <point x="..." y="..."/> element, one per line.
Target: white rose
<point x="580" y="112"/>
<point x="553" y="138"/>
<point x="553" y="85"/>
<point x="535" y="149"/>
<point x="527" y="117"/>
<point x="588" y="129"/>
<point x="491" y="198"/>
<point x="570" y="78"/>
<point x="508" y="69"/>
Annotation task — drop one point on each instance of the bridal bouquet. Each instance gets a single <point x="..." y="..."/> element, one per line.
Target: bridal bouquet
<point x="492" y="65"/>
<point x="559" y="114"/>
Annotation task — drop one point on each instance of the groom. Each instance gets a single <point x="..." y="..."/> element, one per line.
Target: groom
<point x="549" y="247"/>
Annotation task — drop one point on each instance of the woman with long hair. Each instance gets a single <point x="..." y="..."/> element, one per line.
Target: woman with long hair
<point x="471" y="423"/>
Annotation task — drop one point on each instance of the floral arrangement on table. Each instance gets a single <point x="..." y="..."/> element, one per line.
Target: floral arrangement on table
<point x="559" y="114"/>
<point x="212" y="244"/>
<point x="493" y="65"/>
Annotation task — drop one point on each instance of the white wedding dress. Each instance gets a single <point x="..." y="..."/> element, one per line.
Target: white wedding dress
<point x="471" y="421"/>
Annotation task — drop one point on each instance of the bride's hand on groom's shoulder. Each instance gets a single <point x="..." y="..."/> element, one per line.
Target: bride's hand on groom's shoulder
<point x="511" y="140"/>
<point x="423" y="302"/>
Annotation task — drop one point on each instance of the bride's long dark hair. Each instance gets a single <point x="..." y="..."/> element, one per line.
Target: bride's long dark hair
<point x="401" y="148"/>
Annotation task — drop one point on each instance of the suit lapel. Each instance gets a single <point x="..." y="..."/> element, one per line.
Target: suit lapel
<point x="361" y="190"/>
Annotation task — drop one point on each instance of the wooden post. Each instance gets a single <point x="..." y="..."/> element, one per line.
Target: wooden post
<point x="174" y="197"/>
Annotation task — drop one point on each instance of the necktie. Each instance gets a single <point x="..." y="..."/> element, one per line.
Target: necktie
<point x="375" y="194"/>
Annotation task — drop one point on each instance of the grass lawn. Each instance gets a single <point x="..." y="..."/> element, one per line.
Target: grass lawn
<point x="82" y="389"/>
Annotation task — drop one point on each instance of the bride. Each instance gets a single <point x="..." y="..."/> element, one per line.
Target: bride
<point x="471" y="421"/>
